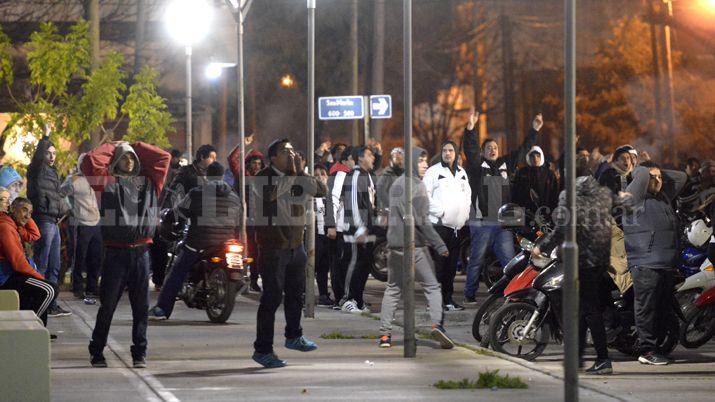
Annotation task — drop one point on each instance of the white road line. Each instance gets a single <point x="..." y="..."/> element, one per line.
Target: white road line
<point x="150" y="388"/>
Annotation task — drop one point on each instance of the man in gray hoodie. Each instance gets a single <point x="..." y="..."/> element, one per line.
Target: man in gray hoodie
<point x="425" y="237"/>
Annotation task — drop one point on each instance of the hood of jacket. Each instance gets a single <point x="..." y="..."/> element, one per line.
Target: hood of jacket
<point x="8" y="176"/>
<point x="416" y="153"/>
<point x="339" y="167"/>
<point x="119" y="151"/>
<point x="254" y="154"/>
<point x="533" y="149"/>
<point x="454" y="165"/>
<point x="218" y="187"/>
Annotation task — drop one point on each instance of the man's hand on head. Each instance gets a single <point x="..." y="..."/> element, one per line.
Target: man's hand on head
<point x="538" y="122"/>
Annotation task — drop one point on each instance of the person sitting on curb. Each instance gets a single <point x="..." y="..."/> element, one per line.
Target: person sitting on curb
<point x="16" y="270"/>
<point x="425" y="237"/>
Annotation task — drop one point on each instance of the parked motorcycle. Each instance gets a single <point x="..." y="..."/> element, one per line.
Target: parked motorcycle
<point x="531" y="317"/>
<point x="699" y="325"/>
<point x="214" y="281"/>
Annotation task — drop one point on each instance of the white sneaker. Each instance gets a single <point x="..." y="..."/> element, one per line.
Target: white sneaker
<point x="351" y="307"/>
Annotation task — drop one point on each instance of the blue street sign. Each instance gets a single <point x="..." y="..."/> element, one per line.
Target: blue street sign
<point x="341" y="108"/>
<point x="381" y="106"/>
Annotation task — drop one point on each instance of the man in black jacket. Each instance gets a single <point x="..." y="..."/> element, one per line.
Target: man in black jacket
<point x="535" y="185"/>
<point x="359" y="197"/>
<point x="129" y="179"/>
<point x="489" y="177"/>
<point x="214" y="212"/>
<point x="187" y="178"/>
<point x="278" y="204"/>
<point x="618" y="176"/>
<point x="651" y="236"/>
<point x="43" y="190"/>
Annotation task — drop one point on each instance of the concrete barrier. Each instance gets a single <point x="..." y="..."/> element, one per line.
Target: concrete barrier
<point x="25" y="357"/>
<point x="9" y="300"/>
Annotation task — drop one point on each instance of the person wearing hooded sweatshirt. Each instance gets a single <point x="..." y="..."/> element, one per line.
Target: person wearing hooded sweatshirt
<point x="425" y="238"/>
<point x="88" y="236"/>
<point x="49" y="206"/>
<point x="214" y="212"/>
<point x="489" y="177"/>
<point x="449" y="201"/>
<point x="16" y="270"/>
<point x="129" y="180"/>
<point x="12" y="181"/>
<point x="535" y="185"/>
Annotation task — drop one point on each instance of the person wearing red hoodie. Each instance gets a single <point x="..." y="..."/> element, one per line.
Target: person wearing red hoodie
<point x="128" y="180"/>
<point x="16" y="270"/>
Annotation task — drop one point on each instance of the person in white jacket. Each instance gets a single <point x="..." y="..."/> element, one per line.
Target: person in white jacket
<point x="450" y="199"/>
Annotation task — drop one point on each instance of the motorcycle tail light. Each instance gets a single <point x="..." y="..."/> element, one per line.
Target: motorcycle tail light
<point x="234" y="248"/>
<point x="215" y="259"/>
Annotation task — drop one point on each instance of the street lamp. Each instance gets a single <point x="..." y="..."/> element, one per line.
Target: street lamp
<point x="188" y="22"/>
<point x="214" y="70"/>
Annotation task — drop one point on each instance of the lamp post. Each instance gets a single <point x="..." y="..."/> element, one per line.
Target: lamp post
<point x="408" y="276"/>
<point x="188" y="22"/>
<point x="310" y="221"/>
<point x="239" y="9"/>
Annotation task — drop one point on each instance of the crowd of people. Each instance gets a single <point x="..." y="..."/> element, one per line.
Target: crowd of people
<point x="114" y="197"/>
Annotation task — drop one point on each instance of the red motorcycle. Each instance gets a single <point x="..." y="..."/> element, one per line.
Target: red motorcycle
<point x="699" y="324"/>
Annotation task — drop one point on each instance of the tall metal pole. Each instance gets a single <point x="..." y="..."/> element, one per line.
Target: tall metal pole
<point x="239" y="15"/>
<point x="408" y="286"/>
<point x="570" y="247"/>
<point x="355" y="65"/>
<point x="656" y="74"/>
<point x="189" y="147"/>
<point x="310" y="232"/>
<point x="669" y="91"/>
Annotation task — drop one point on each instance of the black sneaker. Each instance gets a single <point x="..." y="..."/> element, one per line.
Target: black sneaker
<point x="470" y="300"/>
<point x="453" y="307"/>
<point x="440" y="335"/>
<point x="653" y="359"/>
<point x="325" y="301"/>
<point x="601" y="367"/>
<point x="139" y="362"/>
<point x="255" y="287"/>
<point x="98" y="361"/>
<point x="385" y="341"/>
<point x="57" y="311"/>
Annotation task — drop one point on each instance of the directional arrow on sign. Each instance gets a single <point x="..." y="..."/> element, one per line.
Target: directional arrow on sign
<point x="381" y="106"/>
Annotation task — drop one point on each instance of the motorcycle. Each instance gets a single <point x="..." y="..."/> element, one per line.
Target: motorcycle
<point x="516" y="266"/>
<point x="531" y="316"/>
<point x="214" y="281"/>
<point x="699" y="325"/>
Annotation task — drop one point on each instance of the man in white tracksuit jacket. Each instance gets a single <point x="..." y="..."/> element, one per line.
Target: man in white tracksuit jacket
<point x="449" y="202"/>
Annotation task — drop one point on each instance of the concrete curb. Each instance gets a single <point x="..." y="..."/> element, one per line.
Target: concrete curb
<point x="521" y="362"/>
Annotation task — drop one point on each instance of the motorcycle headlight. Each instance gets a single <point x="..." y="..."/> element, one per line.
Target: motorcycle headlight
<point x="554" y="283"/>
<point x="526" y="244"/>
<point x="540" y="261"/>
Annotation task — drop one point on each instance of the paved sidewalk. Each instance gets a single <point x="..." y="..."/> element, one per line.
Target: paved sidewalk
<point x="191" y="359"/>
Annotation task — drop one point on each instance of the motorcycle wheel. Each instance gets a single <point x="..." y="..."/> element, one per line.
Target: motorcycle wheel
<point x="505" y="329"/>
<point x="492" y="272"/>
<point x="220" y="297"/>
<point x="480" y="325"/>
<point x="378" y="268"/>
<point x="699" y="327"/>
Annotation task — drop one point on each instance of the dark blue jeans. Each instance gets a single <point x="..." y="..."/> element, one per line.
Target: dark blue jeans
<point x="485" y="236"/>
<point x="46" y="252"/>
<point x="87" y="257"/>
<point x="282" y="271"/>
<point x="172" y="284"/>
<point x="123" y="268"/>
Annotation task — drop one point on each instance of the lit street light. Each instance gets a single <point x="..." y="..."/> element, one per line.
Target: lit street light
<point x="287" y="81"/>
<point x="215" y="69"/>
<point x="188" y="23"/>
